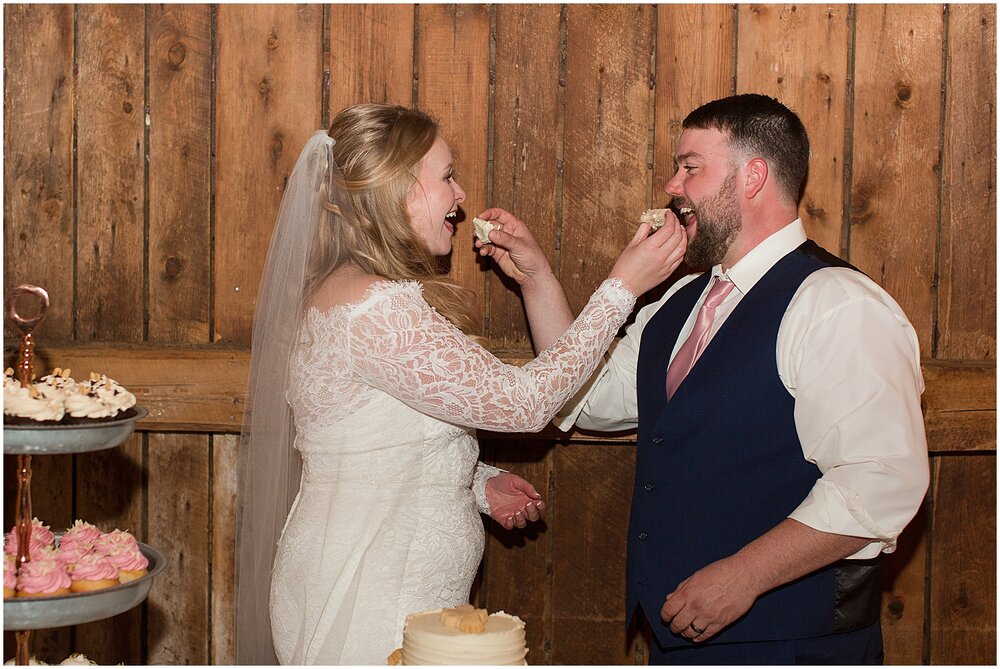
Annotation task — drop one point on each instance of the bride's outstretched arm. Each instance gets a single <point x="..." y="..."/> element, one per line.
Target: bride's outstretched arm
<point x="518" y="255"/>
<point x="404" y="347"/>
<point x="401" y="345"/>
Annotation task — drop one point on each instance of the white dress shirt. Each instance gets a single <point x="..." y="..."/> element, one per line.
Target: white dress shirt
<point x="849" y="357"/>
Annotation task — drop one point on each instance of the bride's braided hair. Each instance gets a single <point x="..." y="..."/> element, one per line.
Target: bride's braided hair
<point x="378" y="149"/>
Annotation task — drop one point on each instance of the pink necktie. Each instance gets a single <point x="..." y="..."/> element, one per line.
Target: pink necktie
<point x="695" y="344"/>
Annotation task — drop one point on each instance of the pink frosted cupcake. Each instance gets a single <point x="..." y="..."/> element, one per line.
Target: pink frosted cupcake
<point x="70" y="555"/>
<point x="41" y="538"/>
<point x="9" y="575"/>
<point x="81" y="534"/>
<point x="44" y="576"/>
<point x="131" y="563"/>
<point x="107" y="543"/>
<point x="93" y="572"/>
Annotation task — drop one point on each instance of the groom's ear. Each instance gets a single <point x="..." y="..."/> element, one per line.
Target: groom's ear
<point x="756" y="176"/>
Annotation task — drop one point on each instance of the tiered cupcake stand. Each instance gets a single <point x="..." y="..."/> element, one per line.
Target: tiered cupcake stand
<point x="25" y="614"/>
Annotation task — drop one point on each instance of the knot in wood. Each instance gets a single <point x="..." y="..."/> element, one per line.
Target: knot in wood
<point x="903" y="95"/>
<point x="176" y="54"/>
<point x="173" y="267"/>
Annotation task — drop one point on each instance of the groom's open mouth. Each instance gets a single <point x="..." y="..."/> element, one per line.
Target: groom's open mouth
<point x="684" y="213"/>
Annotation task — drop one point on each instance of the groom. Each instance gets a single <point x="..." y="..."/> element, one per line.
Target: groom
<point x="781" y="446"/>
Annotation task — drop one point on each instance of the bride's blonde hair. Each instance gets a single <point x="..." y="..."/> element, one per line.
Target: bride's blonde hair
<point x="378" y="149"/>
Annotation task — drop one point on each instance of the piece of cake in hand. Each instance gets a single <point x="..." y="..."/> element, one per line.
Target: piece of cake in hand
<point x="482" y="228"/>
<point x="655" y="217"/>
<point x="44" y="576"/>
<point x="93" y="572"/>
<point x="9" y="575"/>
<point x="437" y="637"/>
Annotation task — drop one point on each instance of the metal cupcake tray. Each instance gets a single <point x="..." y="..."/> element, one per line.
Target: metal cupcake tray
<point x="55" y="439"/>
<point x="32" y="613"/>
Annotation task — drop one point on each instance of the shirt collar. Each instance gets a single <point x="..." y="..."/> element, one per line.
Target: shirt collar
<point x="760" y="259"/>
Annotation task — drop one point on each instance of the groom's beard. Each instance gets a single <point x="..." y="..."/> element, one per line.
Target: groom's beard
<point x="718" y="224"/>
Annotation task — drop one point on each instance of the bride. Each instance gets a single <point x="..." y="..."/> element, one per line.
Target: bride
<point x="360" y="489"/>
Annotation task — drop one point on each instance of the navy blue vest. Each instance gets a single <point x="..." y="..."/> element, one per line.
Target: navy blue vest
<point x="710" y="481"/>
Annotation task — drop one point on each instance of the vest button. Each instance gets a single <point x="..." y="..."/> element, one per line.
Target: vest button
<point x="648" y="486"/>
<point x="657" y="440"/>
<point x="643" y="536"/>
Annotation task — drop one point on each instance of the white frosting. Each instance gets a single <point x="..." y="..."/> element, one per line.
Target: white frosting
<point x="82" y="405"/>
<point x="78" y="659"/>
<point x="57" y="394"/>
<point x="111" y="395"/>
<point x="483" y="228"/>
<point x="427" y="641"/>
<point x="21" y="402"/>
<point x="32" y="661"/>
<point x="655" y="217"/>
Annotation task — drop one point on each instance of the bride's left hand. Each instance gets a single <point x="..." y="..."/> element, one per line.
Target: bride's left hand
<point x="513" y="501"/>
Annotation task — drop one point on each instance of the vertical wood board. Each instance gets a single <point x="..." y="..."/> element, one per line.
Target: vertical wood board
<point x="897" y="130"/>
<point x="38" y="159"/>
<point x="904" y="599"/>
<point x="178" y="607"/>
<point x="608" y="79"/>
<point x="110" y="172"/>
<point x="223" y="556"/>
<point x="526" y="148"/>
<point x="967" y="310"/>
<point x="371" y="54"/>
<point x="518" y="561"/>
<point x="269" y="73"/>
<point x="683" y="82"/>
<point x="963" y="586"/>
<point x="798" y="54"/>
<point x="462" y="33"/>
<point x="593" y="493"/>
<point x="180" y="189"/>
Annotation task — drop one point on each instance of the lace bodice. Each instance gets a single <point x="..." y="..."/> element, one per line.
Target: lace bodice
<point x="386" y="395"/>
<point x="393" y="341"/>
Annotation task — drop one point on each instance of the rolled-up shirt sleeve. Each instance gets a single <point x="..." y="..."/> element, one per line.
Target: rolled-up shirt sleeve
<point x="851" y="359"/>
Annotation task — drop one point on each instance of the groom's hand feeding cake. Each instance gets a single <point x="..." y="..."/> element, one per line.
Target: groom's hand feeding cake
<point x="462" y="635"/>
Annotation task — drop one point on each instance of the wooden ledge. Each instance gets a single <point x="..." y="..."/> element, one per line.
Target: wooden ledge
<point x="201" y="388"/>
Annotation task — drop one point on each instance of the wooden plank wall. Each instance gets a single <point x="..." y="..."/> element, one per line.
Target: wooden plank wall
<point x="145" y="151"/>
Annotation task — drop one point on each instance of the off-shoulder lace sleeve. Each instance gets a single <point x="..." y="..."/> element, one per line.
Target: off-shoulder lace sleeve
<point x="401" y="345"/>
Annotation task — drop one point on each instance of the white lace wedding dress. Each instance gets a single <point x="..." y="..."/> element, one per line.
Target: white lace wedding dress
<point x="386" y="396"/>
